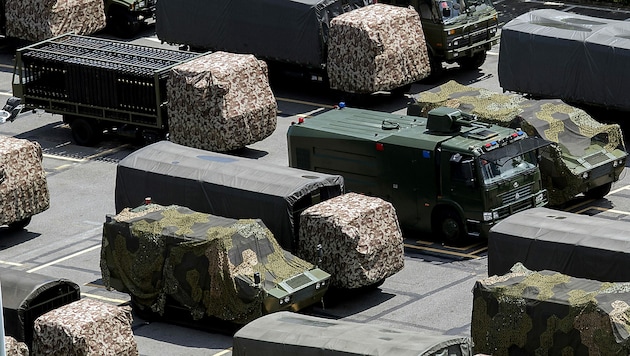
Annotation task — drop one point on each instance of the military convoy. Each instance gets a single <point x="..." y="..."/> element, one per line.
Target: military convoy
<point x="446" y="173"/>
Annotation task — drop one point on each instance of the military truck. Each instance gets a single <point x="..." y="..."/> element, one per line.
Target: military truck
<point x="456" y="31"/>
<point x="126" y="17"/>
<point x="584" y="157"/>
<point x="446" y="173"/>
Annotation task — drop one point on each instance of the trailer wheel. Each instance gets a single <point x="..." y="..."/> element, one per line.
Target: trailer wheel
<point x="85" y="133"/>
<point x="449" y="227"/>
<point x="19" y="225"/>
<point x="599" y="192"/>
<point x="474" y="62"/>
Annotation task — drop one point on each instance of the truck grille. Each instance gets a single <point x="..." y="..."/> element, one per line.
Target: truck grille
<point x="298" y="281"/>
<point x="596" y="159"/>
<point x="516" y="194"/>
<point x="478" y="36"/>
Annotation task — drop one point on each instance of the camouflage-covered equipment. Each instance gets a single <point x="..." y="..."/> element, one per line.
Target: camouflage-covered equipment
<point x="210" y="266"/>
<point x="220" y="102"/>
<point x="85" y="327"/>
<point x="14" y="347"/>
<point x="549" y="313"/>
<point x="361" y="241"/>
<point x="23" y="186"/>
<point x="291" y="334"/>
<point x="37" y="20"/>
<point x="586" y="156"/>
<point x="377" y="47"/>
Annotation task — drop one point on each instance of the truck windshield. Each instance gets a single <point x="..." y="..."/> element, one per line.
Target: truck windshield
<point x="449" y="10"/>
<point x="504" y="168"/>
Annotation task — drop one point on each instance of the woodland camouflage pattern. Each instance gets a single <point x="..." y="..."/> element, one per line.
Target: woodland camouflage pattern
<point x="14" y="347"/>
<point x="85" y="327"/>
<point x="220" y="102"/>
<point x="203" y="262"/>
<point x="377" y="47"/>
<point x="511" y="110"/>
<point x="361" y="240"/>
<point x="549" y="313"/>
<point x="23" y="186"/>
<point x="38" y="20"/>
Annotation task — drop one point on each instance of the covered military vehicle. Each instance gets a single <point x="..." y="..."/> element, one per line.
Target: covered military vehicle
<point x="584" y="157"/>
<point x="224" y="185"/>
<point x="368" y="49"/>
<point x="549" y="313"/>
<point x="201" y="265"/>
<point x="23" y="186"/>
<point x="576" y="58"/>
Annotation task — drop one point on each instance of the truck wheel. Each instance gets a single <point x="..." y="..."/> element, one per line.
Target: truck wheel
<point x="449" y="227"/>
<point x="122" y="23"/>
<point x="19" y="225"/>
<point x="598" y="192"/>
<point x="474" y="62"/>
<point x="437" y="69"/>
<point x="85" y="133"/>
<point x="401" y="91"/>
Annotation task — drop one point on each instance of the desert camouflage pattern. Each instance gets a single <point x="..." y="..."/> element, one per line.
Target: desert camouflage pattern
<point x="220" y="102"/>
<point x="360" y="238"/>
<point x="23" y="186"/>
<point x="14" y="347"/>
<point x="548" y="313"/>
<point x="203" y="262"/>
<point x="377" y="47"/>
<point x="579" y="138"/>
<point x="38" y="20"/>
<point x="85" y="327"/>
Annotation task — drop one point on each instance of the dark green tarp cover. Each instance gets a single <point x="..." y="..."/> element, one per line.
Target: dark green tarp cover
<point x="286" y="333"/>
<point x="574" y="244"/>
<point x="557" y="54"/>
<point x="204" y="263"/>
<point x="223" y="185"/>
<point x="291" y="31"/>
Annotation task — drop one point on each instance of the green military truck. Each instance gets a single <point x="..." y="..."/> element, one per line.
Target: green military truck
<point x="125" y="17"/>
<point x="446" y="173"/>
<point x="456" y="31"/>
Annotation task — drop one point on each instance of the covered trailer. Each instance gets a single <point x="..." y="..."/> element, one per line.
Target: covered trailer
<point x="223" y="185"/>
<point x="555" y="54"/>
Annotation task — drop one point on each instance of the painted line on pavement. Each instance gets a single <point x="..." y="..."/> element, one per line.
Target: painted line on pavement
<point x="604" y="210"/>
<point x="112" y="300"/>
<point x="64" y="258"/>
<point x="444" y="252"/>
<point x="11" y="263"/>
<point x="305" y="102"/>
<point x="223" y="352"/>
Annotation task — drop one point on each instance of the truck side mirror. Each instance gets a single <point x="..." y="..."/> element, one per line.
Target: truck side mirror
<point x="468" y="173"/>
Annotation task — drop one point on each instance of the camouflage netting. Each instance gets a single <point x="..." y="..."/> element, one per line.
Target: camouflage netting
<point x="220" y="102"/>
<point x="37" y="20"/>
<point x="377" y="47"/>
<point x="360" y="237"/>
<point x="85" y="327"/>
<point x="204" y="263"/>
<point x="572" y="129"/>
<point x="14" y="347"/>
<point x="23" y="187"/>
<point x="549" y="313"/>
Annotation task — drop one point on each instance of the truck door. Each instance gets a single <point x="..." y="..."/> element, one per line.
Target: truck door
<point x="460" y="183"/>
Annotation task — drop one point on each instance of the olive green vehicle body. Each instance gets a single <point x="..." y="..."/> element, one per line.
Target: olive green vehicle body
<point x="428" y="168"/>
<point x="125" y="17"/>
<point x="463" y="38"/>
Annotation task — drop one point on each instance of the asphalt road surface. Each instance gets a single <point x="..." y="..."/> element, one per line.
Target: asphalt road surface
<point x="432" y="294"/>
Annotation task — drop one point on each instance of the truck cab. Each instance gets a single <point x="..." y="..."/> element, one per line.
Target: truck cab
<point x="456" y="31"/>
<point x="446" y="174"/>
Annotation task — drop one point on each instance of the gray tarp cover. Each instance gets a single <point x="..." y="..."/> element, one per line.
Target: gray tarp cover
<point x="573" y="244"/>
<point x="286" y="333"/>
<point x="293" y="31"/>
<point x="562" y="55"/>
<point x="223" y="185"/>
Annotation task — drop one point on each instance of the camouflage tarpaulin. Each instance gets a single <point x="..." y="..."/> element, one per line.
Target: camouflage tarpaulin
<point x="23" y="186"/>
<point x="203" y="262"/>
<point x="360" y="238"/>
<point x="577" y="136"/>
<point x="37" y="20"/>
<point x="14" y="347"/>
<point x="377" y="47"/>
<point x="220" y="102"/>
<point x="549" y="313"/>
<point x="85" y="327"/>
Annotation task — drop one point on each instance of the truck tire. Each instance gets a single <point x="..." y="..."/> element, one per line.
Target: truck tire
<point x="473" y="62"/>
<point x="85" y="132"/>
<point x="448" y="226"/>
<point x="599" y="192"/>
<point x="437" y="69"/>
<point x="19" y="225"/>
<point x="122" y="23"/>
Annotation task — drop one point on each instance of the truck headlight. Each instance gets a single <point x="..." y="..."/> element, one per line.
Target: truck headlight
<point x="585" y="175"/>
<point x="539" y="198"/>
<point x="490" y="215"/>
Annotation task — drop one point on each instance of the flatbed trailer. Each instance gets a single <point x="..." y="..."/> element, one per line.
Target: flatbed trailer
<point x="97" y="84"/>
